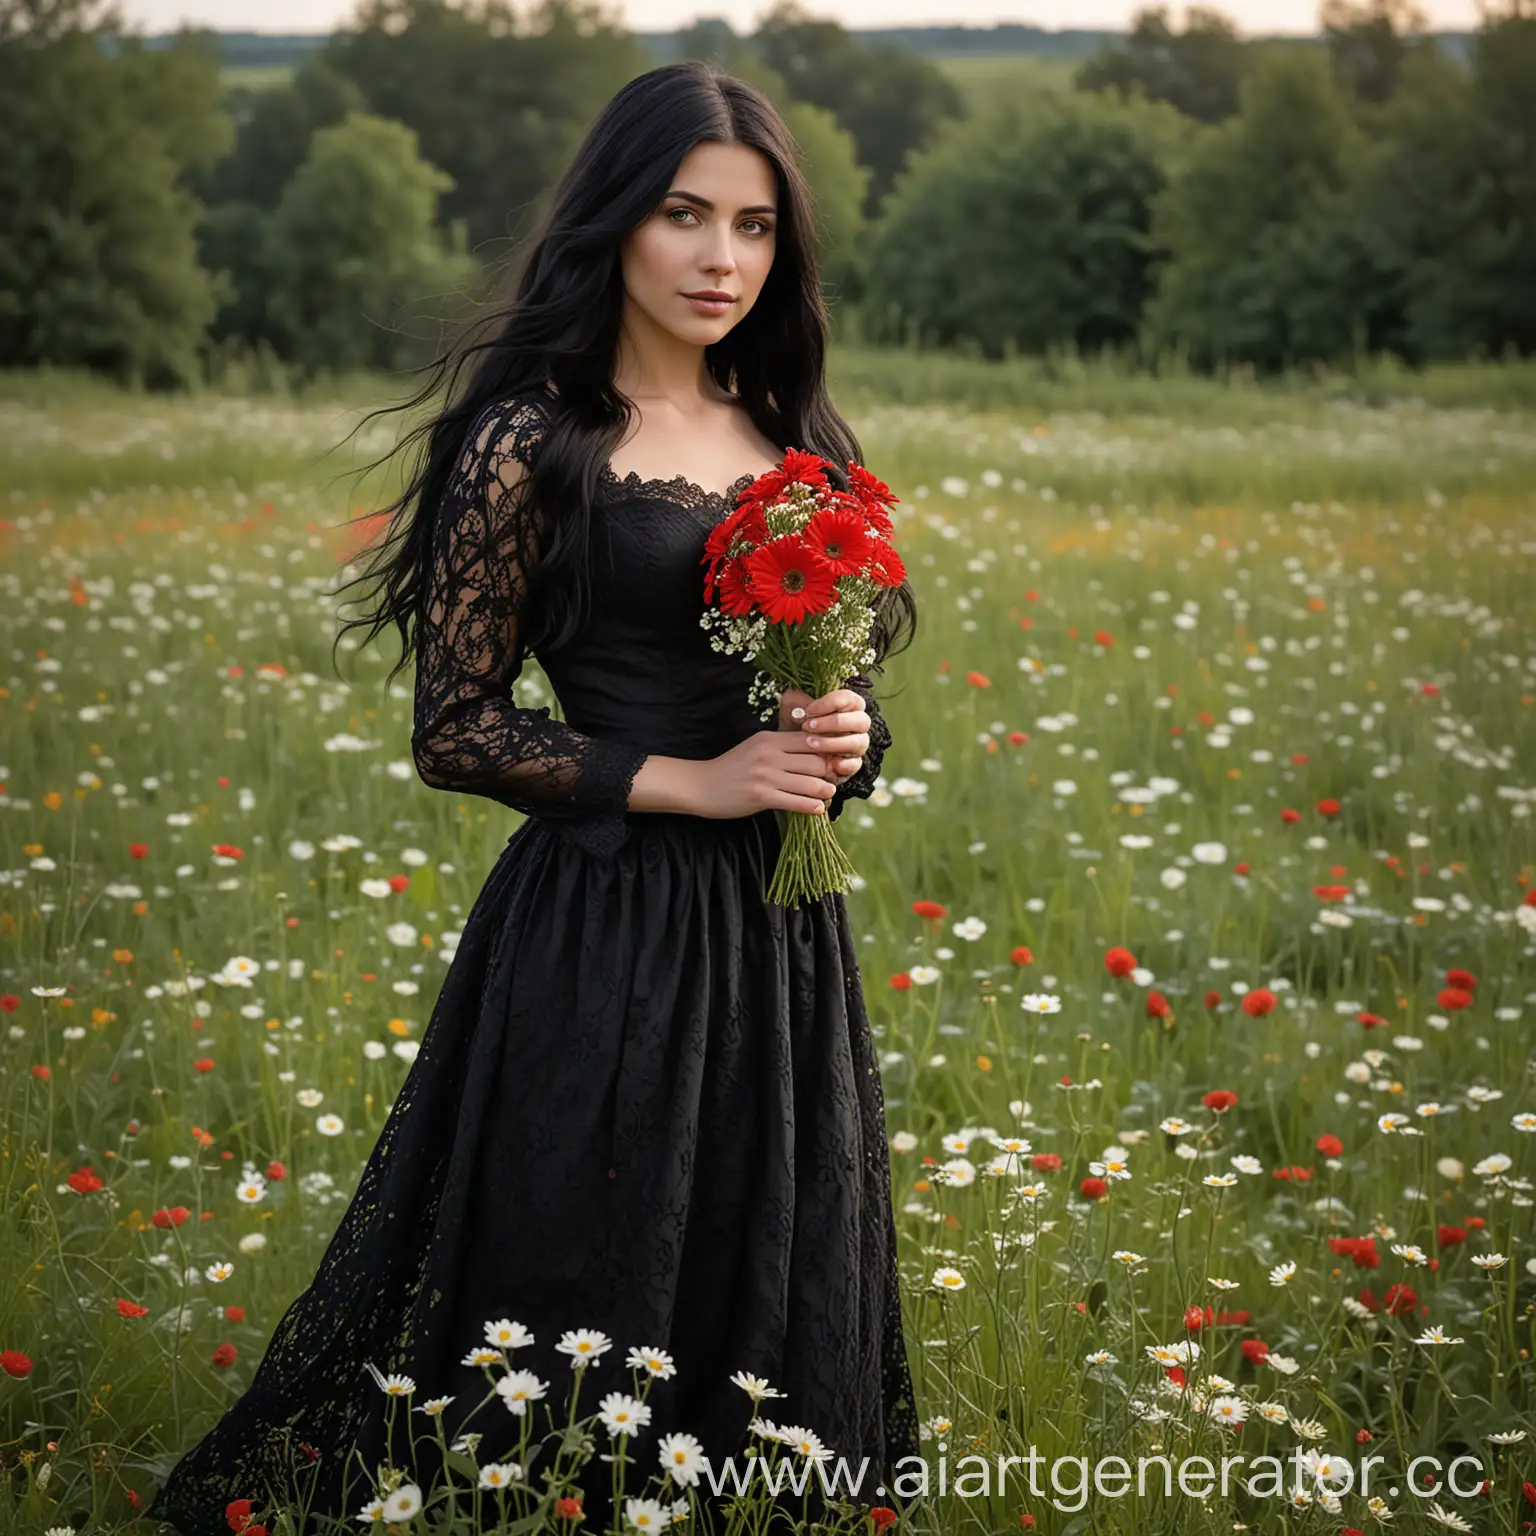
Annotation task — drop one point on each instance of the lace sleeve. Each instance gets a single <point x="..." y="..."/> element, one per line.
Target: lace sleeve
<point x="468" y="734"/>
<point x="863" y="782"/>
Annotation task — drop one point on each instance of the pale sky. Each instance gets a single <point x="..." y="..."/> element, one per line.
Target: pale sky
<point x="658" y="15"/>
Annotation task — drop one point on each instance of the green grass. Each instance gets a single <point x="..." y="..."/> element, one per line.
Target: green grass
<point x="1157" y="615"/>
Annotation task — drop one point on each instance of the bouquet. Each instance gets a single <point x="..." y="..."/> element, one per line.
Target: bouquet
<point x="792" y="575"/>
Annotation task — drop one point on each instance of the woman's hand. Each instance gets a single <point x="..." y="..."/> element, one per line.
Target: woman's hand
<point x="836" y="724"/>
<point x="768" y="771"/>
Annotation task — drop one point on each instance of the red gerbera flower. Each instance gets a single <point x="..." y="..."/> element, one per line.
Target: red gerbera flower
<point x="840" y="538"/>
<point x="790" y="581"/>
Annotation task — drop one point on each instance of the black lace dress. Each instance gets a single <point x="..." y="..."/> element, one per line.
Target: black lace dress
<point x="647" y="1101"/>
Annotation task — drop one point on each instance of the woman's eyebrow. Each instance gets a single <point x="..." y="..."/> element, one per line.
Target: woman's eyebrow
<point x="704" y="202"/>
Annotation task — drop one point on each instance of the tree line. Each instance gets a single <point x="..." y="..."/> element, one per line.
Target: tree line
<point x="1268" y="203"/>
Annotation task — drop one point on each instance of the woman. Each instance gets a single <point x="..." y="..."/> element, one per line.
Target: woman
<point x="647" y="1102"/>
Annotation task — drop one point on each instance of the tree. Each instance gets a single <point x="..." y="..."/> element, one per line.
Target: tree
<point x="1266" y="263"/>
<point x="496" y="105"/>
<point x="1198" y="70"/>
<point x="354" y="242"/>
<point x="1447" y="201"/>
<point x="98" y="254"/>
<point x="1027" y="227"/>
<point x="1368" y="41"/>
<point x="890" y="100"/>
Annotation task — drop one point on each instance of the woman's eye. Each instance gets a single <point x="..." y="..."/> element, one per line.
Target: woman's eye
<point x="762" y="224"/>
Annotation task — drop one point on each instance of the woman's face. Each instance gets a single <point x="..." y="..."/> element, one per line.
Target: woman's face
<point x="713" y="232"/>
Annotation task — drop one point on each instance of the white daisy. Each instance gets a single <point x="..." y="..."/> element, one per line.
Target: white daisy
<point x="1282" y="1274"/>
<point x="583" y="1345"/>
<point x="756" y="1387"/>
<point x="500" y="1474"/>
<point x="403" y="1503"/>
<point x="505" y="1334"/>
<point x="656" y="1361"/>
<point x="682" y="1458"/>
<point x="519" y="1388"/>
<point x="622" y="1414"/>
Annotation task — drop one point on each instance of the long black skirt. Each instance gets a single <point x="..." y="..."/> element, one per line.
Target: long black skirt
<point x="648" y="1104"/>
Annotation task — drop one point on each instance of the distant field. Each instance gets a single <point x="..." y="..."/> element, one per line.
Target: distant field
<point x="255" y="77"/>
<point x="984" y="77"/>
<point x="981" y="77"/>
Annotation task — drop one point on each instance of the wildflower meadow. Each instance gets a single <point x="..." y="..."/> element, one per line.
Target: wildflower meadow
<point x="1196" y="911"/>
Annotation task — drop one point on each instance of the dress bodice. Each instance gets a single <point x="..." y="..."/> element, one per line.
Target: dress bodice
<point x="639" y="679"/>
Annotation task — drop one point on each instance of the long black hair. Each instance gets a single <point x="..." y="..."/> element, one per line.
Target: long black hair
<point x="561" y="326"/>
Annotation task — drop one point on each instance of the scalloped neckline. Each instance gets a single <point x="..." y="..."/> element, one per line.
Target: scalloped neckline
<point x="633" y="480"/>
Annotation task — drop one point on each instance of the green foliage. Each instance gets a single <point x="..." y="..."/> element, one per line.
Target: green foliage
<point x="1198" y="70"/>
<point x="353" y="241"/>
<point x="891" y="101"/>
<point x="1265" y="265"/>
<point x="98" y="255"/>
<point x="1447" y="200"/>
<point x="1025" y="228"/>
<point x="498" y="107"/>
<point x="1368" y="41"/>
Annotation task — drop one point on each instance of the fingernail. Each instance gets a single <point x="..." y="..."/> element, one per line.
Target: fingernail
<point x="797" y="713"/>
<point x="813" y="725"/>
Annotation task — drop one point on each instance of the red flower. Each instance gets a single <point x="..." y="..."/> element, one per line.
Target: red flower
<point x="1370" y="1020"/>
<point x="1328" y="807"/>
<point x="881" y="1516"/>
<point x="138" y="850"/>
<point x="790" y="581"/>
<point x="86" y="1181"/>
<point x="1020" y="955"/>
<point x="978" y="679"/>
<point x="1241" y="869"/>
<point x="1258" y="1001"/>
<point x="204" y="1064"/>
<point x="1219" y="1100"/>
<point x="172" y="1217"/>
<point x="1290" y="817"/>
<point x="1456" y="977"/>
<point x="1119" y="961"/>
<point x="1329" y="1146"/>
<point x="1361" y="1249"/>
<point x="9" y="1002"/>
<point x="1026" y="1522"/>
<point x="901" y="982"/>
<point x="127" y="1308"/>
<point x="1213" y="999"/>
<point x="1452" y="998"/>
<point x="1363" y="1437"/>
<point x="1157" y="1005"/>
<point x="568" y="1508"/>
<point x="238" y="1514"/>
<point x="1528" y="1493"/>
<point x="1294" y="1172"/>
<point x="842" y="539"/>
<point x="1196" y="1319"/>
<point x="227" y="851"/>
<point x="15" y="1364"/>
<point x="1093" y="1189"/>
<point x="1255" y="1351"/>
<point x="42" y="1073"/>
<point x="929" y="909"/>
<point x="234" y="1314"/>
<point x="277" y="1171"/>
<point x="225" y="1355"/>
<point x="398" y="883"/>
<point x="1175" y="1374"/>
<point x="1449" y="1237"/>
<point x="1401" y="1298"/>
<point x="1046" y="1162"/>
